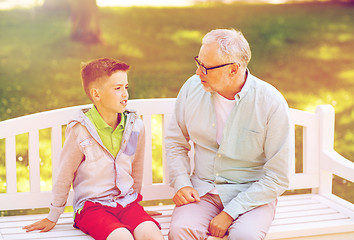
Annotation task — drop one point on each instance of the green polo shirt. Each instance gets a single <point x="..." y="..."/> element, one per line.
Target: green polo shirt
<point x="111" y="138"/>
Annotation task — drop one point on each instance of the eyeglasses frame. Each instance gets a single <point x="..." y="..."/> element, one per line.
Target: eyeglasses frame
<point x="210" y="68"/>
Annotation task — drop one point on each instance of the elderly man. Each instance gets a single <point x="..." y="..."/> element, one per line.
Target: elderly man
<point x="240" y="129"/>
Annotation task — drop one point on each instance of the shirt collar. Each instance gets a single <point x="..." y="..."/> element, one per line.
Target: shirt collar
<point x="122" y="121"/>
<point x="245" y="87"/>
<point x="100" y="123"/>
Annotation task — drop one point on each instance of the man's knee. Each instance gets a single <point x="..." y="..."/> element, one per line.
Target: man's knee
<point x="173" y="234"/>
<point x="246" y="235"/>
<point x="177" y="231"/>
<point x="184" y="231"/>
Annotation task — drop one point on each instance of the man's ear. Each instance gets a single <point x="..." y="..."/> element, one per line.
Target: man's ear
<point x="95" y="94"/>
<point x="234" y="68"/>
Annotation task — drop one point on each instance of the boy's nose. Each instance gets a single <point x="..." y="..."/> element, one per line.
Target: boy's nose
<point x="125" y="93"/>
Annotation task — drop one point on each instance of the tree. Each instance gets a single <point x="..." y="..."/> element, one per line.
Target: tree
<point x="85" y="26"/>
<point x="85" y="21"/>
<point x="56" y="5"/>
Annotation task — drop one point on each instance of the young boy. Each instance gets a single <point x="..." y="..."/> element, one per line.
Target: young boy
<point x="102" y="158"/>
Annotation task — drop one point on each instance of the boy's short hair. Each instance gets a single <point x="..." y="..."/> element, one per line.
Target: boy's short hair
<point x="100" y="69"/>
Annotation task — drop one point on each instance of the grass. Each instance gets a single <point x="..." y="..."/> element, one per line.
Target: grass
<point x="304" y="50"/>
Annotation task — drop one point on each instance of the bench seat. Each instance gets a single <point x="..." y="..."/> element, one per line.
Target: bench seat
<point x="301" y="216"/>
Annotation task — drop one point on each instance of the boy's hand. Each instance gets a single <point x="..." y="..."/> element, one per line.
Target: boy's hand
<point x="154" y="213"/>
<point x="186" y="195"/>
<point x="44" y="225"/>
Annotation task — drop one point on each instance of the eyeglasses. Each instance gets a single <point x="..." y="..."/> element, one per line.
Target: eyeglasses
<point x="205" y="69"/>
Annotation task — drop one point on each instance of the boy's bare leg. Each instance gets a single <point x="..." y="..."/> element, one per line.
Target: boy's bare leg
<point x="147" y="231"/>
<point x="120" y="234"/>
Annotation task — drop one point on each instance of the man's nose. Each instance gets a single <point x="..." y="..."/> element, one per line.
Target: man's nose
<point x="198" y="71"/>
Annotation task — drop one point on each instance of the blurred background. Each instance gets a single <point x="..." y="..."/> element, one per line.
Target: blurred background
<point x="304" y="48"/>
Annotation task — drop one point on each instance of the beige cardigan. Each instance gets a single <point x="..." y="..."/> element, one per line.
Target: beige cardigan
<point x="93" y="171"/>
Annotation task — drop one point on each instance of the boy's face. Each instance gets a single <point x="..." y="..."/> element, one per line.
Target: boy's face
<point x="113" y="94"/>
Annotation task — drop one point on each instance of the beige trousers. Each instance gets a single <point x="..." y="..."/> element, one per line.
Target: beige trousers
<point x="191" y="221"/>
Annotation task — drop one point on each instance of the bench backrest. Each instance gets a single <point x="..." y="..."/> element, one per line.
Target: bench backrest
<point x="317" y="133"/>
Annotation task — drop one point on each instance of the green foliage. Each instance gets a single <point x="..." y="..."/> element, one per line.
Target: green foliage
<point x="304" y="50"/>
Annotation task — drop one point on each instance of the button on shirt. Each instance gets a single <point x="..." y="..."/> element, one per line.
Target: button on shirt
<point x="111" y="138"/>
<point x="250" y="166"/>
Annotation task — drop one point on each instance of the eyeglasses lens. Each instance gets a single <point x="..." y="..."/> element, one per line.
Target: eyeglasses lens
<point x="201" y="66"/>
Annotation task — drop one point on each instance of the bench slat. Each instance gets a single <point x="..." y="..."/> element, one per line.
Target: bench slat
<point x="310" y="229"/>
<point x="44" y="235"/>
<point x="307" y="219"/>
<point x="337" y="203"/>
<point x="18" y="229"/>
<point x="38" y="121"/>
<point x="10" y="155"/>
<point x="33" y="152"/>
<point x="157" y="191"/>
<point x="165" y="122"/>
<point x="56" y="144"/>
<point x="28" y="200"/>
<point x="302" y="118"/>
<point x="152" y="106"/>
<point x="148" y="151"/>
<point x="311" y="154"/>
<point x="289" y="200"/>
<point x="284" y="215"/>
<point x="304" y="180"/>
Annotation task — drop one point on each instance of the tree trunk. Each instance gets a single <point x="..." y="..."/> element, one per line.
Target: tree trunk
<point x="85" y="21"/>
<point x="56" y="5"/>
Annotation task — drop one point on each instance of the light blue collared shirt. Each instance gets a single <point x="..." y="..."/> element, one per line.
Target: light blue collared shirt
<point x="250" y="167"/>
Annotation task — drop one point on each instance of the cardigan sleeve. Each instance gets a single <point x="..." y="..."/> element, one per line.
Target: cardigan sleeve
<point x="70" y="159"/>
<point x="138" y="162"/>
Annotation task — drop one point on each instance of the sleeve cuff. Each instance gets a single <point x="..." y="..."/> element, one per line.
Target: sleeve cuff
<point x="55" y="213"/>
<point x="182" y="181"/>
<point x="233" y="210"/>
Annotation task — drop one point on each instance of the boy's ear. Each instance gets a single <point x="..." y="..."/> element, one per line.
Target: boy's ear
<point x="95" y="94"/>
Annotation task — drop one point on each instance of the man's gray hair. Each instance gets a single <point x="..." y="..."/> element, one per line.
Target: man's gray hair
<point x="233" y="47"/>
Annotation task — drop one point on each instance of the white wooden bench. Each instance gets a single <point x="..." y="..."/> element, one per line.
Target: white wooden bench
<point x="316" y="215"/>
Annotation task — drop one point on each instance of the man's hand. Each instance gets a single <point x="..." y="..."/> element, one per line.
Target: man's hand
<point x="219" y="224"/>
<point x="44" y="225"/>
<point x="186" y="195"/>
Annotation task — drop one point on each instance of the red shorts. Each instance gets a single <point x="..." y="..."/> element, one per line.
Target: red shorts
<point x="99" y="221"/>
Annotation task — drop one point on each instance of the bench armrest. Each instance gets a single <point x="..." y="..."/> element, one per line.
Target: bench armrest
<point x="335" y="163"/>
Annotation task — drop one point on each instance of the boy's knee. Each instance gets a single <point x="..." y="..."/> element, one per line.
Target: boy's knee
<point x="148" y="230"/>
<point x="120" y="233"/>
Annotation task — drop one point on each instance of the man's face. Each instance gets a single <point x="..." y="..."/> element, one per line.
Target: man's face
<point x="114" y="93"/>
<point x="216" y="80"/>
